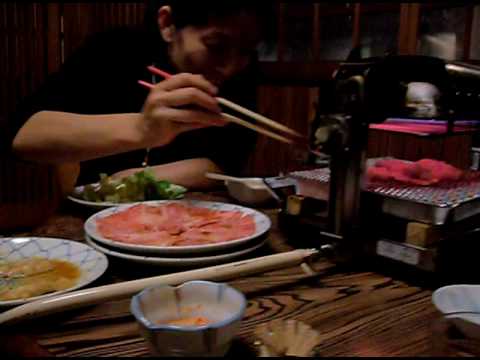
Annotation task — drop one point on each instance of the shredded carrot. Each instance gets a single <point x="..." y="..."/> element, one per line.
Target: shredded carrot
<point x="189" y="321"/>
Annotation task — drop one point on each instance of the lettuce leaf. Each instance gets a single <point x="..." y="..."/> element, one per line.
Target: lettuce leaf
<point x="140" y="186"/>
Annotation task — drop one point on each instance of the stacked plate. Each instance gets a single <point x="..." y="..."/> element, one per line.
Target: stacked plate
<point x="192" y="255"/>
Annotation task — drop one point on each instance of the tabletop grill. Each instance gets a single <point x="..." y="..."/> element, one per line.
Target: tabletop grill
<point x="408" y="224"/>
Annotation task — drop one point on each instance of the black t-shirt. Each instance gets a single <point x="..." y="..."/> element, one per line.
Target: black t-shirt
<point x="102" y="78"/>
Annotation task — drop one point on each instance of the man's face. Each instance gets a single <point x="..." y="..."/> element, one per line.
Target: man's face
<point x="218" y="51"/>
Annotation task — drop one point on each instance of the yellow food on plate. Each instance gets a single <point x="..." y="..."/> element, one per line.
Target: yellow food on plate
<point x="35" y="276"/>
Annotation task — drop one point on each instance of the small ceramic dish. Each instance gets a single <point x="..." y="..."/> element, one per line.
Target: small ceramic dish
<point x="91" y="263"/>
<point x="251" y="191"/>
<point x="460" y="304"/>
<point x="197" y="318"/>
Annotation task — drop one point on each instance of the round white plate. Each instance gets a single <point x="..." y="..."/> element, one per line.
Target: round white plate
<point x="91" y="262"/>
<point x="460" y="304"/>
<point x="262" y="225"/>
<point x="171" y="261"/>
<point x="92" y="204"/>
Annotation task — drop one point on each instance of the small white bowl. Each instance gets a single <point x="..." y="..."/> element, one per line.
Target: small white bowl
<point x="221" y="304"/>
<point x="460" y="304"/>
<point x="253" y="192"/>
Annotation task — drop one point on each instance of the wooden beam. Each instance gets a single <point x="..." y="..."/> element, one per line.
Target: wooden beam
<point x="408" y="29"/>
<point x="356" y="35"/>
<point x="414" y="20"/>
<point x="53" y="48"/>
<point x="296" y="73"/>
<point x="468" y="33"/>
<point x="316" y="31"/>
<point x="281" y="31"/>
<point x="403" y="29"/>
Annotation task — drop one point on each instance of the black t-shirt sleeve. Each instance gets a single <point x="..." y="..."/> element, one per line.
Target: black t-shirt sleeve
<point x="82" y="85"/>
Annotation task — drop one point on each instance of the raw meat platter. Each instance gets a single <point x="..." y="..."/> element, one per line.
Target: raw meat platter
<point x="176" y="226"/>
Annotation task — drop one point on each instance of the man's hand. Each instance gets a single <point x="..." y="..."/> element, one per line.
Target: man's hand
<point x="181" y="103"/>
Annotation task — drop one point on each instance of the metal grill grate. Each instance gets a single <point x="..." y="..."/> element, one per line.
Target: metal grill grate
<point x="450" y="195"/>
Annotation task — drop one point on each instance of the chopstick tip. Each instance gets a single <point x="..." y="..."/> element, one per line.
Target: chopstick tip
<point x="146" y="84"/>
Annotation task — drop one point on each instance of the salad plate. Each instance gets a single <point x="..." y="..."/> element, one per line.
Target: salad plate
<point x="142" y="186"/>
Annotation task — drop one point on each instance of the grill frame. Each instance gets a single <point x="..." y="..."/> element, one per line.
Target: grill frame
<point x="435" y="205"/>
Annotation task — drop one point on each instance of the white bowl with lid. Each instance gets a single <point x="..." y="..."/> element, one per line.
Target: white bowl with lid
<point x="250" y="191"/>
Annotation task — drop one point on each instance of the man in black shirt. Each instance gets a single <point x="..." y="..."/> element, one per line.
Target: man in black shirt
<point x="94" y="112"/>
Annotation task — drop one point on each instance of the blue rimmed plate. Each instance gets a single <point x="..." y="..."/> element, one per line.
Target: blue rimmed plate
<point x="92" y="263"/>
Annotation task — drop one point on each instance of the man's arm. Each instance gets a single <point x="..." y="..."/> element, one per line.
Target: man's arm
<point x="189" y="173"/>
<point x="57" y="137"/>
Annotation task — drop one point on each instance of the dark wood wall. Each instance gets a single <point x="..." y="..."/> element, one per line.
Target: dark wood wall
<point x="34" y="40"/>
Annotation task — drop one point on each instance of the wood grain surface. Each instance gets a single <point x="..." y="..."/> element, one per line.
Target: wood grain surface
<point x="357" y="311"/>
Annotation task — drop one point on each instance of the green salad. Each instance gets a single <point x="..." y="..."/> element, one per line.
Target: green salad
<point x="140" y="186"/>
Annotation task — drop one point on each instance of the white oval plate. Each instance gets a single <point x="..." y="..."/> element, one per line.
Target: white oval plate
<point x="171" y="261"/>
<point x="91" y="262"/>
<point x="262" y="225"/>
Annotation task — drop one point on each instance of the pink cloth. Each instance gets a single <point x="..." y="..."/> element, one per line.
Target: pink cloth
<point x="419" y="129"/>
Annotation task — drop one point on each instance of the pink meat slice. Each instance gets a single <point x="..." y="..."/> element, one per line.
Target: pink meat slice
<point x="175" y="224"/>
<point x="423" y="172"/>
<point x="230" y="228"/>
<point x="440" y="170"/>
<point x="159" y="238"/>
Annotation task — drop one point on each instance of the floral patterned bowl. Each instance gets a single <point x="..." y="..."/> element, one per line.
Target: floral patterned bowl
<point x="166" y="317"/>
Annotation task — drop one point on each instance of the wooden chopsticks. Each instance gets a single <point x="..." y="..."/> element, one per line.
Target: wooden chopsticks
<point x="102" y="294"/>
<point x="297" y="137"/>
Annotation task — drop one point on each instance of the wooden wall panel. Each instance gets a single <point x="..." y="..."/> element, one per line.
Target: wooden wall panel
<point x="78" y="22"/>
<point x="22" y="65"/>
<point x="84" y="19"/>
<point x="289" y="105"/>
<point x="52" y="44"/>
<point x="31" y="41"/>
<point x="3" y="63"/>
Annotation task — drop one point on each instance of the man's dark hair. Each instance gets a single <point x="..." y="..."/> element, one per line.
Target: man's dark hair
<point x="203" y="12"/>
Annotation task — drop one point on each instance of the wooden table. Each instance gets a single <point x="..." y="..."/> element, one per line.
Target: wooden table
<point x="358" y="312"/>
